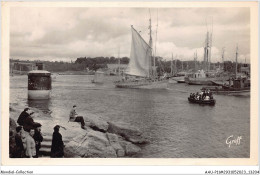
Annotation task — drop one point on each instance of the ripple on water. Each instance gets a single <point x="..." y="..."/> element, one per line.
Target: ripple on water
<point x="175" y="127"/>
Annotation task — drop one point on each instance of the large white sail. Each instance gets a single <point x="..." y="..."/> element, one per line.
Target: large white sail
<point x="140" y="56"/>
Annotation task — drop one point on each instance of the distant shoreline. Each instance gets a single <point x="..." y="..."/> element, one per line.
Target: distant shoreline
<point x="74" y="73"/>
<point x="59" y="73"/>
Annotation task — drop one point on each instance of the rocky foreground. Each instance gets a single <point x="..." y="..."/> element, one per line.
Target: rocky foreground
<point x="101" y="139"/>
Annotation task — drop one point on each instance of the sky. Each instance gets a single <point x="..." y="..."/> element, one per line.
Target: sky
<point x="67" y="33"/>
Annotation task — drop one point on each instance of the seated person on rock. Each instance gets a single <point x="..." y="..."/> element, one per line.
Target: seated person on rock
<point x="75" y="118"/>
<point x="23" y="116"/>
<point x="29" y="124"/>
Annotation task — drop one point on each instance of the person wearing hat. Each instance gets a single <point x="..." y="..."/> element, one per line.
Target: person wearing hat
<point x="75" y="118"/>
<point x="29" y="124"/>
<point x="37" y="137"/>
<point x="23" y="116"/>
<point x="57" y="144"/>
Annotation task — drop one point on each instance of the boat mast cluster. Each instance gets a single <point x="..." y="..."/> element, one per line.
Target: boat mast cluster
<point x="207" y="49"/>
<point x="153" y="72"/>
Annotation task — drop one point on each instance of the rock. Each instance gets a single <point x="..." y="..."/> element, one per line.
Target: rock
<point x="96" y="122"/>
<point x="12" y="132"/>
<point x="130" y="133"/>
<point x="68" y="130"/>
<point x="138" y="139"/>
<point x="12" y="125"/>
<point x="130" y="149"/>
<point x="12" y="109"/>
<point x="90" y="144"/>
<point x="113" y="139"/>
<point x="72" y="150"/>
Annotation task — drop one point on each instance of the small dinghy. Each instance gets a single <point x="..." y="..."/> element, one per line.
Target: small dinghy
<point x="208" y="102"/>
<point x="204" y="97"/>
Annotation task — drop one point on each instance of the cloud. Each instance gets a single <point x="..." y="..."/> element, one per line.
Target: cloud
<point x="68" y="33"/>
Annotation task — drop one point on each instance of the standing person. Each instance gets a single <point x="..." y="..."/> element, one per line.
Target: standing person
<point x="19" y="151"/>
<point x="75" y="118"/>
<point x="25" y="114"/>
<point x="38" y="138"/>
<point x="57" y="144"/>
<point x="30" y="145"/>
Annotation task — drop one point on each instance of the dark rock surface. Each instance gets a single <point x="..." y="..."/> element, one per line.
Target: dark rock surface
<point x="130" y="133"/>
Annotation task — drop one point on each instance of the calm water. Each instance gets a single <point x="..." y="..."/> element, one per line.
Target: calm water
<point x="176" y="128"/>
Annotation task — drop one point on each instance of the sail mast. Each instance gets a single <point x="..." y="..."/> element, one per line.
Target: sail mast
<point x="119" y="61"/>
<point x="236" y="62"/>
<point x="155" y="46"/>
<point x="207" y="51"/>
<point x="172" y="65"/>
<point x="210" y="42"/>
<point x="195" y="61"/>
<point x="207" y="48"/>
<point x="150" y="44"/>
<point x="223" y="52"/>
<point x="175" y="64"/>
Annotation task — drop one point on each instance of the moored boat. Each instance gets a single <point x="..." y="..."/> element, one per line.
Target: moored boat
<point x="179" y="77"/>
<point x="98" y="77"/>
<point x="237" y="85"/>
<point x="142" y="84"/>
<point x="181" y="81"/>
<point x="200" y="78"/>
<point x="140" y="72"/>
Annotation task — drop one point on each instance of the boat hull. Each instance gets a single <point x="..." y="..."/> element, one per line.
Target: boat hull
<point x="143" y="84"/>
<point x="238" y="93"/>
<point x="220" y="90"/>
<point x="177" y="79"/>
<point x="205" y="102"/>
<point x="181" y="81"/>
<point x="202" y="81"/>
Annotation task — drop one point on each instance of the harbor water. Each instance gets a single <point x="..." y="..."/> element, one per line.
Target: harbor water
<point x="175" y="127"/>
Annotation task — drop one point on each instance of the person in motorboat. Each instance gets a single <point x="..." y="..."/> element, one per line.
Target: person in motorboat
<point x="203" y="95"/>
<point x="206" y="98"/>
<point x="197" y="96"/>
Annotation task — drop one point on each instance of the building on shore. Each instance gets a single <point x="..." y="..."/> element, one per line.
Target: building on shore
<point x="22" y="67"/>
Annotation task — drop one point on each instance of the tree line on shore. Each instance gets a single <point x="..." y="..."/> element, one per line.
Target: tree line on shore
<point x="93" y="64"/>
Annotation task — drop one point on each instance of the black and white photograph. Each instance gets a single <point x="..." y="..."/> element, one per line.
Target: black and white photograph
<point x="130" y="82"/>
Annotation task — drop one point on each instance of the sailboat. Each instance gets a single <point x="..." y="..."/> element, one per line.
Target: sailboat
<point x="140" y="72"/>
<point x="177" y="76"/>
<point x="205" y="77"/>
<point x="238" y="85"/>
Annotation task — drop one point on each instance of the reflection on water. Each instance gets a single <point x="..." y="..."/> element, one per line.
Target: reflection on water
<point x="175" y="127"/>
<point x="43" y="105"/>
